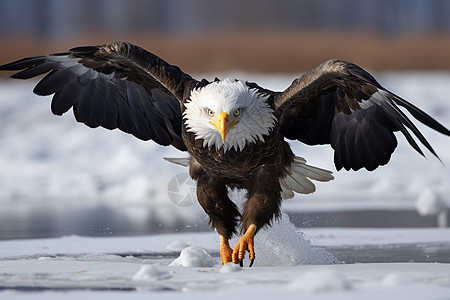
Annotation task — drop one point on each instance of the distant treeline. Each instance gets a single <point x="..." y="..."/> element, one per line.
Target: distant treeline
<point x="56" y="18"/>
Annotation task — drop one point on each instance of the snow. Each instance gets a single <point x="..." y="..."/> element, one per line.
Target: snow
<point x="142" y="267"/>
<point x="320" y="281"/>
<point x="61" y="179"/>
<point x="230" y="267"/>
<point x="151" y="272"/>
<point x="193" y="256"/>
<point x="430" y="204"/>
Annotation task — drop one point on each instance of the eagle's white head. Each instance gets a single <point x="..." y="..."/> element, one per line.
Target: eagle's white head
<point x="228" y="113"/>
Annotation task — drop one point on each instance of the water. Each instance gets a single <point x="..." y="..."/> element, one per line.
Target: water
<point x="414" y="253"/>
<point x="102" y="221"/>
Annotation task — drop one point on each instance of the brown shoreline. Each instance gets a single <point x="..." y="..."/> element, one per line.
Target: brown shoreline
<point x="267" y="53"/>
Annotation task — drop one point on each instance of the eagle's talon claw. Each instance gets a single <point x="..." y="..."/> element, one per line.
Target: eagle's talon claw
<point x="251" y="262"/>
<point x="241" y="263"/>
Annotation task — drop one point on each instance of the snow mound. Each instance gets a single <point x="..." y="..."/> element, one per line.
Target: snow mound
<point x="151" y="273"/>
<point x="284" y="245"/>
<point x="395" y="279"/>
<point x="320" y="281"/>
<point x="193" y="256"/>
<point x="229" y="268"/>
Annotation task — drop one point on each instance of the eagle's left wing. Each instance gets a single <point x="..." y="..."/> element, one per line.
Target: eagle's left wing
<point x="340" y="104"/>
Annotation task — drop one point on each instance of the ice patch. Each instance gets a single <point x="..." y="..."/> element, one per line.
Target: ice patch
<point x="284" y="245"/>
<point x="45" y="258"/>
<point x="193" y="256"/>
<point x="320" y="281"/>
<point x="151" y="273"/>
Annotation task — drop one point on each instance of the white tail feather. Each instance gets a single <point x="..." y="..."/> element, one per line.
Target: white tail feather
<point x="298" y="177"/>
<point x="182" y="161"/>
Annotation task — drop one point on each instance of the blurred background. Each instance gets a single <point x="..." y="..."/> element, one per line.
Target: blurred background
<point x="255" y="36"/>
<point x="59" y="178"/>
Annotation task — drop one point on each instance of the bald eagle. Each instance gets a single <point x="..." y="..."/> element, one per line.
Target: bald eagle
<point x="234" y="131"/>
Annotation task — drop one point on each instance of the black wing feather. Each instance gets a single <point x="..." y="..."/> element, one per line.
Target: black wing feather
<point x="53" y="82"/>
<point x="125" y="117"/>
<point x="23" y="63"/>
<point x="111" y="110"/>
<point x="98" y="107"/>
<point x="421" y="116"/>
<point x="65" y="98"/>
<point x="400" y="121"/>
<point x="82" y="108"/>
<point x="33" y="71"/>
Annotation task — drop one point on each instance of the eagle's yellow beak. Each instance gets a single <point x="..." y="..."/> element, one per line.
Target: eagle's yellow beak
<point x="222" y="125"/>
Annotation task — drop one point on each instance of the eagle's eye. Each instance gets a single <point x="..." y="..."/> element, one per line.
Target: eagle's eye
<point x="237" y="112"/>
<point x="210" y="112"/>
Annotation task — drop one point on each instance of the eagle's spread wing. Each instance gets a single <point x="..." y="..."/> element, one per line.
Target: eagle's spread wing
<point x="117" y="85"/>
<point x="340" y="104"/>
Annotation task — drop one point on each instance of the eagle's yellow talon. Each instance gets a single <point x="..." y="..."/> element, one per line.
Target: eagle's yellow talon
<point x="245" y="243"/>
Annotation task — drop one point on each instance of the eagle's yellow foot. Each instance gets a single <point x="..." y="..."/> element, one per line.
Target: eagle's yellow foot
<point x="225" y="251"/>
<point x="245" y="243"/>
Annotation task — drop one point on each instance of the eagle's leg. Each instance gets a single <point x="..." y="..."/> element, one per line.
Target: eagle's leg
<point x="223" y="214"/>
<point x="263" y="205"/>
<point x="225" y="250"/>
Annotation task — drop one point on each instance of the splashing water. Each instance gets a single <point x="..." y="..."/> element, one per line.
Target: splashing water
<point x="284" y="245"/>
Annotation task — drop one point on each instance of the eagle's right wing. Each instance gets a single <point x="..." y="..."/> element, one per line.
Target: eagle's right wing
<point x="116" y="85"/>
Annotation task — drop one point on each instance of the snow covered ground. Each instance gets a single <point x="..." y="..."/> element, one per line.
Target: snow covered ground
<point x="186" y="266"/>
<point x="59" y="178"/>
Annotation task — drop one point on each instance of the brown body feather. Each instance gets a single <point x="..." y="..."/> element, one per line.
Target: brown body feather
<point x="256" y="168"/>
